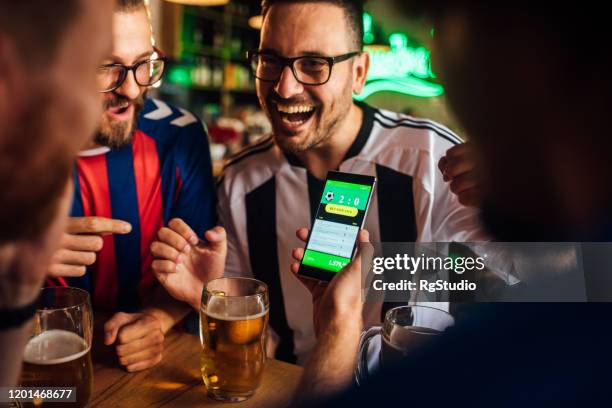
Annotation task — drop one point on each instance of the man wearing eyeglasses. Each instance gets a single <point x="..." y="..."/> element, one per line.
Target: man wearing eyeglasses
<point x="149" y="162"/>
<point x="308" y="65"/>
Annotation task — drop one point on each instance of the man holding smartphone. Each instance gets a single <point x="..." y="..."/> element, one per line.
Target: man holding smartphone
<point x="308" y="66"/>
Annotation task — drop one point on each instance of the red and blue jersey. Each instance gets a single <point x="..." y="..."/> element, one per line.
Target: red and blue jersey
<point x="164" y="173"/>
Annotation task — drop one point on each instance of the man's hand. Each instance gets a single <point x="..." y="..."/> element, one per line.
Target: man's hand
<point x="184" y="264"/>
<point x="139" y="337"/>
<point x="340" y="300"/>
<point x="459" y="166"/>
<point x="338" y="325"/>
<point x="80" y="243"/>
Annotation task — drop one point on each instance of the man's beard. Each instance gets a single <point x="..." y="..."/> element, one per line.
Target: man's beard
<point x="116" y="134"/>
<point x="327" y="121"/>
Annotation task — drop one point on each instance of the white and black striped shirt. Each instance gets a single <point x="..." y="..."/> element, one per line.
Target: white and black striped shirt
<point x="265" y="195"/>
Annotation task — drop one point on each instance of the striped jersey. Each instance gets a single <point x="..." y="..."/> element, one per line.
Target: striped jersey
<point x="265" y="195"/>
<point x="164" y="173"/>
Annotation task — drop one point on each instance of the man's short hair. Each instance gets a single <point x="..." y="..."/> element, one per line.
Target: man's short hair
<point x="36" y="26"/>
<point x="352" y="8"/>
<point x="130" y="5"/>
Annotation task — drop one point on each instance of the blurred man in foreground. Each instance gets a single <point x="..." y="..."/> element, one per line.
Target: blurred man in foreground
<point x="148" y="163"/>
<point x="547" y="177"/>
<point x="49" y="106"/>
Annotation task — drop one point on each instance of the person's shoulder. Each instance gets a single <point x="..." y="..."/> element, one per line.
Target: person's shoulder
<point x="251" y="153"/>
<point x="250" y="167"/>
<point x="162" y="120"/>
<point x="410" y="131"/>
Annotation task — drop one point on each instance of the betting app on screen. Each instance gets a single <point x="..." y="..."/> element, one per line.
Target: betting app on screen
<point x="339" y="217"/>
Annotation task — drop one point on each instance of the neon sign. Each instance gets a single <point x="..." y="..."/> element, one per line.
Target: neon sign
<point x="399" y="68"/>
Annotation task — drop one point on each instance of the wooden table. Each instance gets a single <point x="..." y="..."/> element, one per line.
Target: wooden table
<point x="177" y="382"/>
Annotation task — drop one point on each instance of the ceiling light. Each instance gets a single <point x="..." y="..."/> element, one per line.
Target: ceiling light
<point x="255" y="22"/>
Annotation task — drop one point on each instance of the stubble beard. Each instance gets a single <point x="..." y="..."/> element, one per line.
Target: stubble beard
<point x="324" y="130"/>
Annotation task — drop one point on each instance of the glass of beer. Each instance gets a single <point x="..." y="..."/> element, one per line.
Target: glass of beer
<point x="233" y="322"/>
<point x="59" y="352"/>
<point x="404" y="329"/>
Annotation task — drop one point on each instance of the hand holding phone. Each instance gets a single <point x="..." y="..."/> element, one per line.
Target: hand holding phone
<point x="341" y="214"/>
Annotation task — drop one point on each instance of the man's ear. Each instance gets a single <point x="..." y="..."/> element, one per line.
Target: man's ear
<point x="360" y="71"/>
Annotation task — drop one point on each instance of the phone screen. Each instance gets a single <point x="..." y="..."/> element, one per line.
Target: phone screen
<point x="340" y="216"/>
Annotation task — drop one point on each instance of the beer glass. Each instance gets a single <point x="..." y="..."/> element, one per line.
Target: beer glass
<point x="233" y="321"/>
<point x="59" y="352"/>
<point x="404" y="329"/>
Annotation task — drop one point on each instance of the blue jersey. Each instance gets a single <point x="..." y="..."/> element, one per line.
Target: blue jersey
<point x="164" y="173"/>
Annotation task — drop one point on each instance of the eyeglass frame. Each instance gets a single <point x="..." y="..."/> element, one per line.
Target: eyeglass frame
<point x="133" y="67"/>
<point x="290" y="62"/>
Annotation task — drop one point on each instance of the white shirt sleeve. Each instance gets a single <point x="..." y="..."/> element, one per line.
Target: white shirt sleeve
<point x="443" y="217"/>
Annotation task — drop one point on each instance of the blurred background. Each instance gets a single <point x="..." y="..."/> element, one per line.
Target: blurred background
<point x="206" y="43"/>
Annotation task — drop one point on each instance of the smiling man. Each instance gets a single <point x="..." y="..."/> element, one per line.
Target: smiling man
<point x="149" y="162"/>
<point x="308" y="65"/>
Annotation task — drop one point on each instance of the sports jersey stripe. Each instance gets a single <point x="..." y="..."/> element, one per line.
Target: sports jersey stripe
<point x="124" y="204"/>
<point x="167" y="173"/>
<point x="422" y="124"/>
<point x="95" y="195"/>
<point x="83" y="282"/>
<point x="179" y="185"/>
<point x="396" y="211"/>
<point x="416" y="121"/>
<point x="451" y="138"/>
<point x="77" y="201"/>
<point x="263" y="255"/>
<point x="260" y="149"/>
<point x="292" y="189"/>
<point x="250" y="151"/>
<point x="315" y="191"/>
<point x="246" y="149"/>
<point x="148" y="189"/>
<point x="406" y="125"/>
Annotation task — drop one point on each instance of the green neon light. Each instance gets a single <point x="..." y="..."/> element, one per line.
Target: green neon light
<point x="179" y="75"/>
<point x="408" y="86"/>
<point x="367" y="22"/>
<point x="368" y="35"/>
<point x="398" y="41"/>
<point x="399" y="68"/>
<point x="399" y="63"/>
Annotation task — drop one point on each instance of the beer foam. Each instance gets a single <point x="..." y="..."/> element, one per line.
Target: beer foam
<point x="55" y="347"/>
<point x="222" y="309"/>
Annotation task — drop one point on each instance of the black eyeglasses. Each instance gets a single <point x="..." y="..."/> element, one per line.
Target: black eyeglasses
<point x="308" y="70"/>
<point x="146" y="73"/>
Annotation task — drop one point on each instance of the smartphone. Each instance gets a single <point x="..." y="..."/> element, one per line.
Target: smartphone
<point x="332" y="241"/>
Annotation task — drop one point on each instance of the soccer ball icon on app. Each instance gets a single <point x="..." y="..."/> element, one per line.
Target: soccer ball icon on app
<point x="329" y="195"/>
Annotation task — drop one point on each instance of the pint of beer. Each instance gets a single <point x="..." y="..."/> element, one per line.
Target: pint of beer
<point x="59" y="352"/>
<point x="233" y="321"/>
